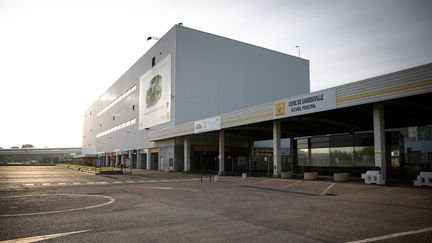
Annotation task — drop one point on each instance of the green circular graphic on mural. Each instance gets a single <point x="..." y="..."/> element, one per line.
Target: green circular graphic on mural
<point x="154" y="92"/>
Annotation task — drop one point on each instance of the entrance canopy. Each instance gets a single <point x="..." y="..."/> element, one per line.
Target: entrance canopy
<point x="405" y="96"/>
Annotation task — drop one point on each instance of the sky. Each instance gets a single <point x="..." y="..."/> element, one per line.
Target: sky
<point x="58" y="56"/>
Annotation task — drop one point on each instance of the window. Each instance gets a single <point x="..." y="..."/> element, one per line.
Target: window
<point x="341" y="150"/>
<point x="341" y="156"/>
<point x="320" y="142"/>
<point x="133" y="107"/>
<point x="118" y="127"/>
<point x="345" y="140"/>
<point x="364" y="156"/>
<point x="153" y="61"/>
<point x="320" y="157"/>
<point x="364" y="153"/>
<point x="113" y="118"/>
<point x="118" y="99"/>
<point x="303" y="151"/>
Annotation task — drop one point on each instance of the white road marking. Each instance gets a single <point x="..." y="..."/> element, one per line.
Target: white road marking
<point x="326" y="190"/>
<point x="385" y="237"/>
<point x="170" y="188"/>
<point x="258" y="182"/>
<point x="111" y="200"/>
<point x="292" y="184"/>
<point x="114" y="182"/>
<point x="42" y="237"/>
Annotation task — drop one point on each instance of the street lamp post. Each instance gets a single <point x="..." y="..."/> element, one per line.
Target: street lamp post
<point x="153" y="38"/>
<point x="298" y="50"/>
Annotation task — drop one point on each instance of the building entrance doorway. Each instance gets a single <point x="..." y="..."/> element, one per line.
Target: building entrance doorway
<point x="154" y="165"/>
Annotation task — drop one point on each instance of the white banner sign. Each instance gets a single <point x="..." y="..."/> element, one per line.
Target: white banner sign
<point x="206" y="125"/>
<point x="312" y="102"/>
<point x="155" y="95"/>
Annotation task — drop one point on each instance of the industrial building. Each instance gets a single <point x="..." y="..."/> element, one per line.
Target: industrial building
<point x="200" y="101"/>
<point x="38" y="155"/>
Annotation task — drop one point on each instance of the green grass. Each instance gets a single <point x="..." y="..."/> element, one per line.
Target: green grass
<point x="91" y="167"/>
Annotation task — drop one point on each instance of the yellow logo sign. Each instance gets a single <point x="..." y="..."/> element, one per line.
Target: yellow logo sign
<point x="279" y="108"/>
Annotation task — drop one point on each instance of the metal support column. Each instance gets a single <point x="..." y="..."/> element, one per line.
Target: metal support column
<point x="292" y="153"/>
<point x="148" y="159"/>
<point x="131" y="158"/>
<point x="379" y="138"/>
<point x="187" y="152"/>
<point x="221" y="152"/>
<point x="276" y="148"/>
<point x="251" y="155"/>
<point x="139" y="164"/>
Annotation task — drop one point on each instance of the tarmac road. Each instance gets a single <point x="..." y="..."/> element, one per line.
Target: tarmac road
<point x="176" y="208"/>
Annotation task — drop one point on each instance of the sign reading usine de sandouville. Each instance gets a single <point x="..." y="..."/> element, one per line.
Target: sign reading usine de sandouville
<point x="307" y="103"/>
<point x="155" y="95"/>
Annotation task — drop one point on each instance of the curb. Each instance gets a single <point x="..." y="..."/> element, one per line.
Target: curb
<point x="92" y="172"/>
<point x="83" y="170"/>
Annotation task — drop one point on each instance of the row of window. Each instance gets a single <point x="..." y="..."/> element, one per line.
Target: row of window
<point x="357" y="156"/>
<point x="121" y="97"/>
<point x="118" y="127"/>
<point x="347" y="150"/>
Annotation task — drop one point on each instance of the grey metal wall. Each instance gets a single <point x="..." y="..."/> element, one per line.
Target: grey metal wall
<point x="210" y="75"/>
<point x="130" y="137"/>
<point x="412" y="81"/>
<point x="215" y="75"/>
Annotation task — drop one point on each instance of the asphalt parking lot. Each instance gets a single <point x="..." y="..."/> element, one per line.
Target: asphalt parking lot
<point x="56" y="204"/>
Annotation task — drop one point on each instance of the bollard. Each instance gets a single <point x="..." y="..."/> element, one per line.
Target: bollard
<point x="244" y="176"/>
<point x="216" y="178"/>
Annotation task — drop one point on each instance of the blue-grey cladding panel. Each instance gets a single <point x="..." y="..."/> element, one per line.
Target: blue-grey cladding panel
<point x="129" y="137"/>
<point x="215" y="75"/>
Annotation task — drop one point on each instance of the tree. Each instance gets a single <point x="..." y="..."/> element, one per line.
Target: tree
<point x="27" y="146"/>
